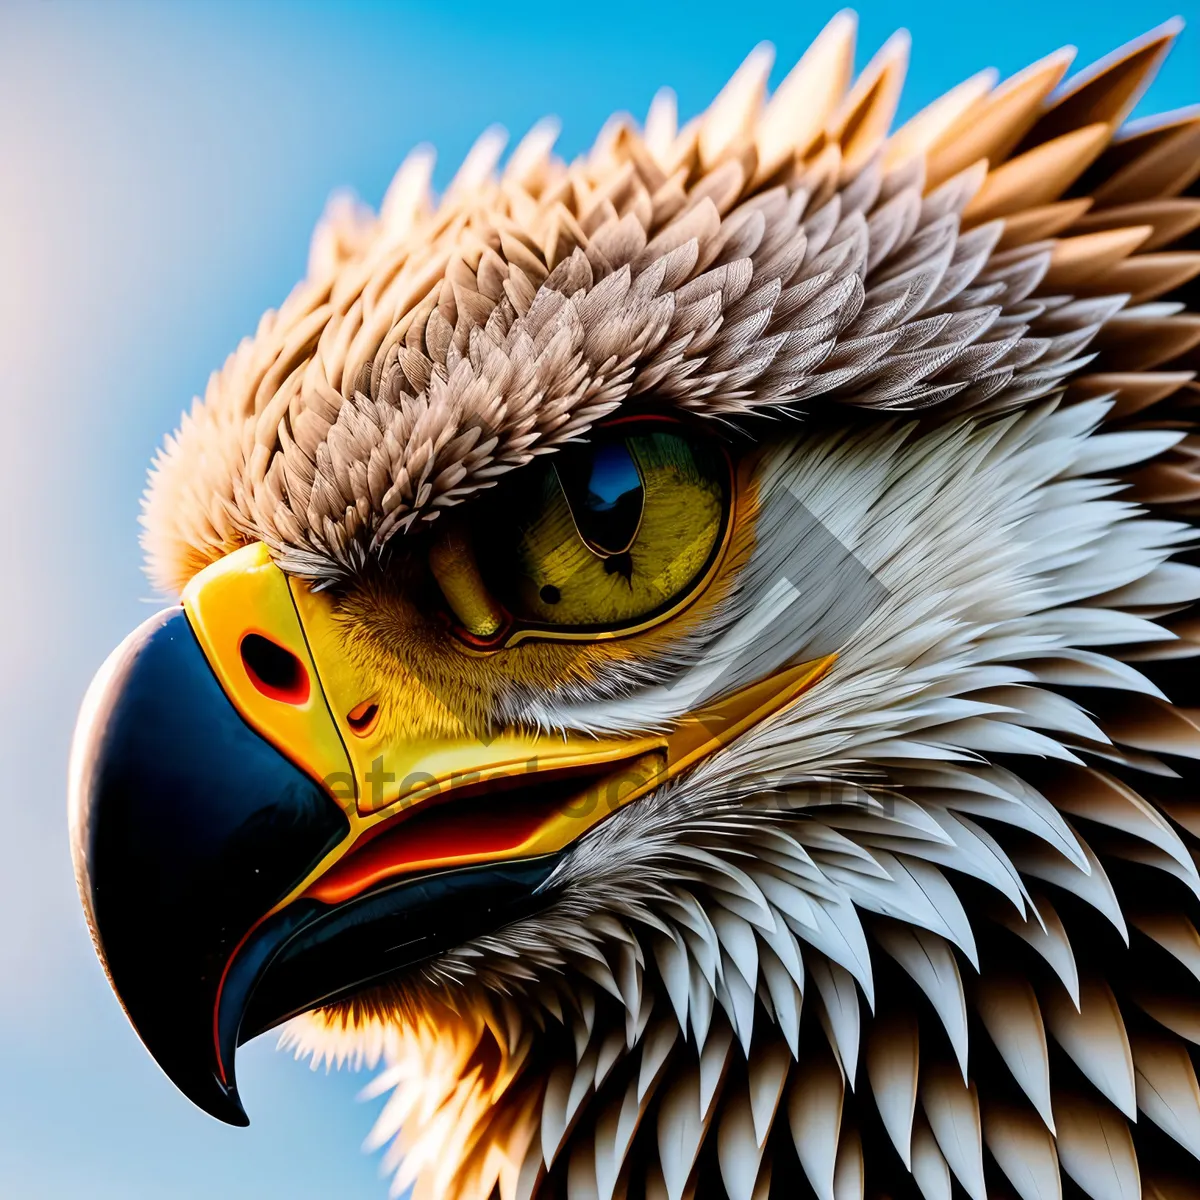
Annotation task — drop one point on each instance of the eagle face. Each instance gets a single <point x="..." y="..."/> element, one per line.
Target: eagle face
<point x="683" y="657"/>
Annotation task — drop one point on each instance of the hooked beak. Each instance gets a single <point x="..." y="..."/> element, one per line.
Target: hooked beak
<point x="249" y="847"/>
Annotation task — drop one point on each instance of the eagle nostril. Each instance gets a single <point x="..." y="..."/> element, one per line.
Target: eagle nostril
<point x="362" y="716"/>
<point x="276" y="672"/>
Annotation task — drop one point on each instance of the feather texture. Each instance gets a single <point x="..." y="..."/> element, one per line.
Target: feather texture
<point x="949" y="901"/>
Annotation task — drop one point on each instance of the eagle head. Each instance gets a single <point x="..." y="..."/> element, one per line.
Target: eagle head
<point x="682" y="659"/>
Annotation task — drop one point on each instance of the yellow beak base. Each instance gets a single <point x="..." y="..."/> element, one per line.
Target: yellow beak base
<point x="278" y="650"/>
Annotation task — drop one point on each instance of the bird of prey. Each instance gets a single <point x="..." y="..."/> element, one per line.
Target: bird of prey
<point x="684" y="659"/>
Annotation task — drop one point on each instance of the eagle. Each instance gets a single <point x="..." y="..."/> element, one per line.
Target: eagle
<point x="683" y="660"/>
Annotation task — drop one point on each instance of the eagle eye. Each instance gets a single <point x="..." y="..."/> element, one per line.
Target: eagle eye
<point x="610" y="535"/>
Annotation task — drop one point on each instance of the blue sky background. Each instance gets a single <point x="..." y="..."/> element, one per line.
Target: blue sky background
<point x="161" y="166"/>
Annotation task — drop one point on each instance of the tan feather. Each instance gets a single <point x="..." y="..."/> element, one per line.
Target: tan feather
<point x="1012" y="1016"/>
<point x="1095" y="1148"/>
<point x="991" y="129"/>
<point x="804" y="102"/>
<point x="1108" y="90"/>
<point x="1024" y="1149"/>
<point x="1038" y="176"/>
<point x="893" y="1060"/>
<point x="1094" y="1036"/>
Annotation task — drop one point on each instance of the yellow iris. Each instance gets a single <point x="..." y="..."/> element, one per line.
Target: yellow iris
<point x="674" y="511"/>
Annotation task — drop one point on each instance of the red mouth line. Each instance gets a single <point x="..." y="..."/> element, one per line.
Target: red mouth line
<point x="473" y="822"/>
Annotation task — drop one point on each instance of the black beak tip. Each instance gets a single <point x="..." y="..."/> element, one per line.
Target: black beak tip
<point x="224" y="1104"/>
<point x="186" y="827"/>
<point x="208" y="1092"/>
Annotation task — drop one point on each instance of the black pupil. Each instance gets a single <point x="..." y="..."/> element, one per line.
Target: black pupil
<point x="604" y="491"/>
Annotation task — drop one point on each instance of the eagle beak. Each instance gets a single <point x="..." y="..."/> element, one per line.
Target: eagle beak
<point x="250" y="845"/>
